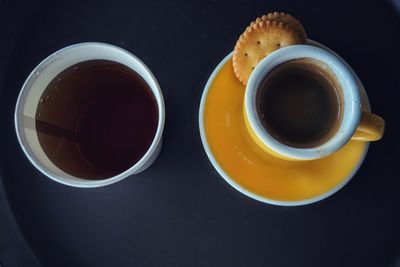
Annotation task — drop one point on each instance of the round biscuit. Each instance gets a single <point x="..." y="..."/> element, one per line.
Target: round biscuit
<point x="259" y="40"/>
<point x="287" y="19"/>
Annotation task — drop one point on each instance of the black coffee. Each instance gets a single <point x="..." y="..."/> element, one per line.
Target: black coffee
<point x="96" y="119"/>
<point x="299" y="103"/>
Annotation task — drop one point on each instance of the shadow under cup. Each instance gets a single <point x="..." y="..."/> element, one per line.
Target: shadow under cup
<point x="87" y="115"/>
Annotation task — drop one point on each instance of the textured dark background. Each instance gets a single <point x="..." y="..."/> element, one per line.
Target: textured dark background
<point x="180" y="212"/>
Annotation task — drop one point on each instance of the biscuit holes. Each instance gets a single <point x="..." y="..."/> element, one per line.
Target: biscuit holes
<point x="258" y="42"/>
<point x="246" y="55"/>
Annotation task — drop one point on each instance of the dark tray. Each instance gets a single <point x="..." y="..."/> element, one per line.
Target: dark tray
<point x="180" y="212"/>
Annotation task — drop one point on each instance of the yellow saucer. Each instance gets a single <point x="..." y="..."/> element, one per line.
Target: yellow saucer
<point x="250" y="170"/>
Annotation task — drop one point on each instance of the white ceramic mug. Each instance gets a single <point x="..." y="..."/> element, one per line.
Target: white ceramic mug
<point x="37" y="82"/>
<point x="356" y="123"/>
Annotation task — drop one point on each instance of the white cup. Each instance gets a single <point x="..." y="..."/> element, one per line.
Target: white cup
<point x="37" y="82"/>
<point x="355" y="123"/>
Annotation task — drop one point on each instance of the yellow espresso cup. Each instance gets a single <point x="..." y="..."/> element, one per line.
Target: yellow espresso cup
<point x="356" y="122"/>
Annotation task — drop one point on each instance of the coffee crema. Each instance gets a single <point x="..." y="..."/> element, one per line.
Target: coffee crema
<point x="300" y="104"/>
<point x="96" y="119"/>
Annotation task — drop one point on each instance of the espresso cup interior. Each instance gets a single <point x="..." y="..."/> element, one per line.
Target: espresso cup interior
<point x="48" y="115"/>
<point x="285" y="142"/>
<point x="300" y="103"/>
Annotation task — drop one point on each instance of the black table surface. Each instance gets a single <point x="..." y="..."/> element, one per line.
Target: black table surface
<point x="180" y="212"/>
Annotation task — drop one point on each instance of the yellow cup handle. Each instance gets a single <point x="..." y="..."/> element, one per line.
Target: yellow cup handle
<point x="371" y="127"/>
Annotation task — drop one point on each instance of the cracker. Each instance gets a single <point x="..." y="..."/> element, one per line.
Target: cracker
<point x="291" y="21"/>
<point x="260" y="39"/>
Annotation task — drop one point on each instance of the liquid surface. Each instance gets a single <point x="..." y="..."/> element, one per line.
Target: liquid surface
<point x="299" y="104"/>
<point x="96" y="119"/>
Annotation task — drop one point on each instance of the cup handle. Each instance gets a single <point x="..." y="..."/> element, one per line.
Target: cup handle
<point x="371" y="127"/>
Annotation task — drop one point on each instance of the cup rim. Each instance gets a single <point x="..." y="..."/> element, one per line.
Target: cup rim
<point x="351" y="101"/>
<point x="72" y="180"/>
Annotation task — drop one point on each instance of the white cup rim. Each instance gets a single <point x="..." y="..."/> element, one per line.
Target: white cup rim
<point x="351" y="101"/>
<point x="69" y="179"/>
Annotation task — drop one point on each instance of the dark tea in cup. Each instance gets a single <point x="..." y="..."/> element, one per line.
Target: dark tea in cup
<point x="90" y="114"/>
<point x="96" y="119"/>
